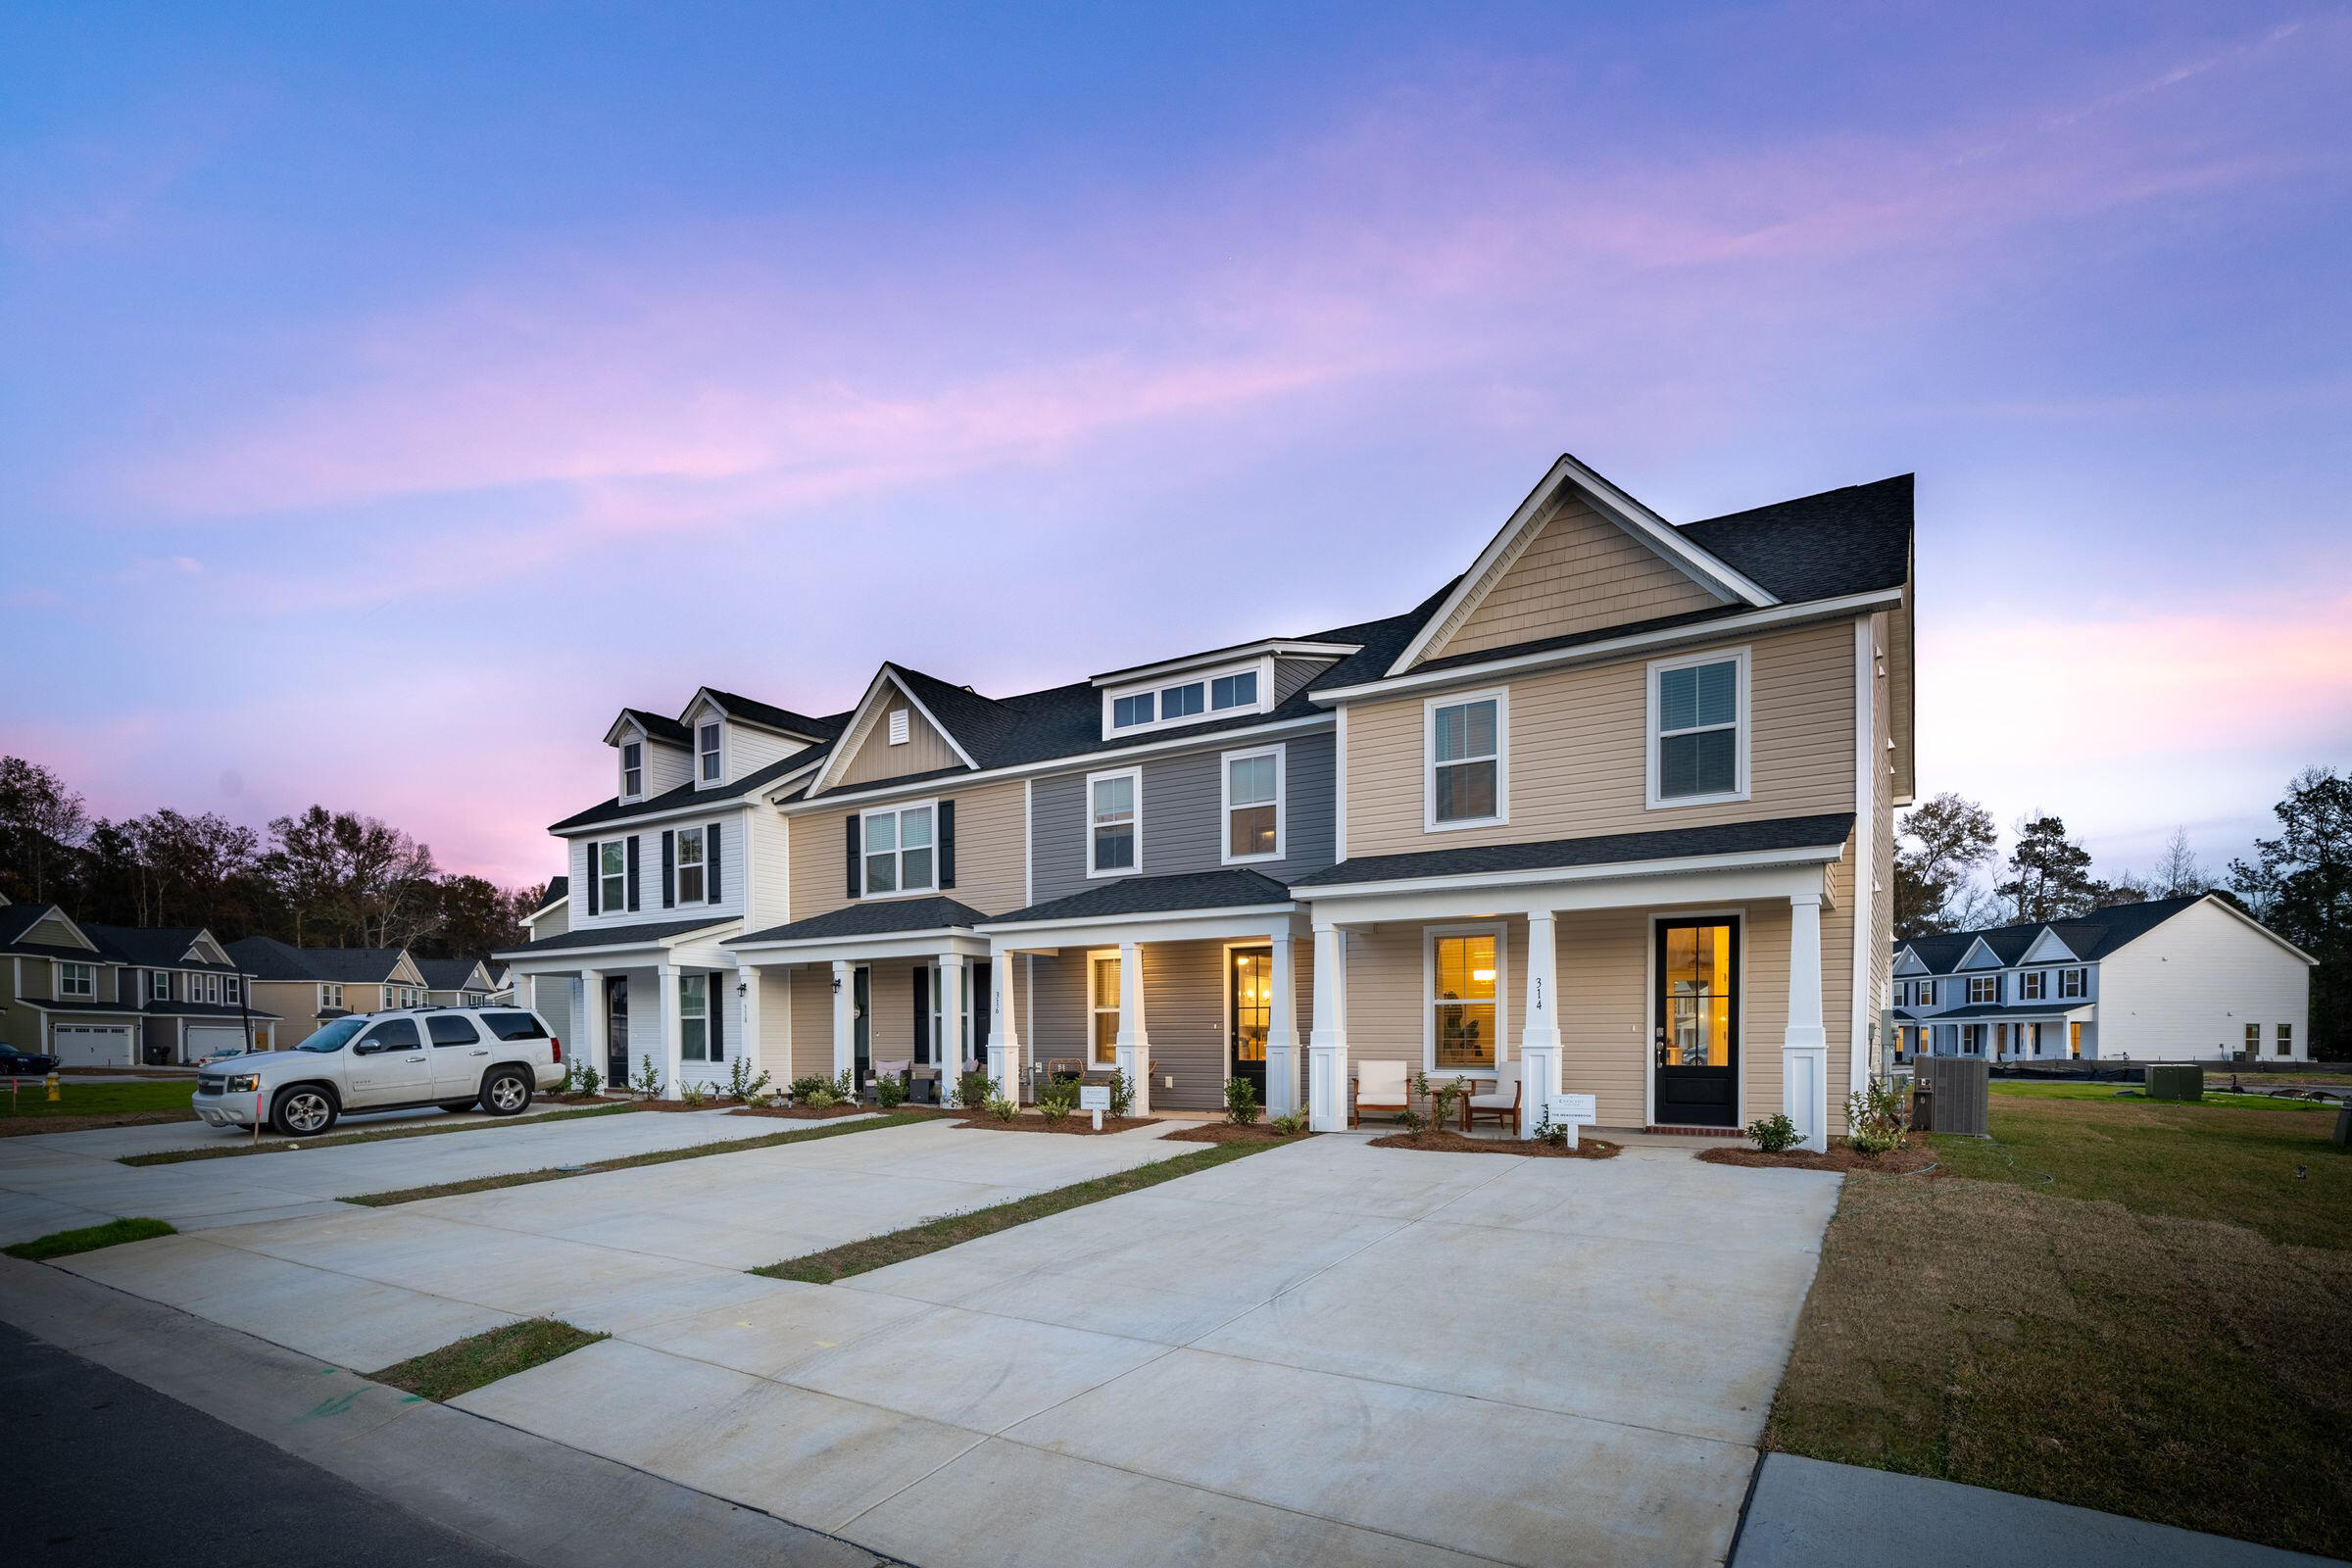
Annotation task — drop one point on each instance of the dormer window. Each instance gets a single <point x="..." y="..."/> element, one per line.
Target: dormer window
<point x="1183" y="701"/>
<point x="1234" y="691"/>
<point x="1128" y="711"/>
<point x="1189" y="698"/>
<point x="707" y="752"/>
<point x="632" y="769"/>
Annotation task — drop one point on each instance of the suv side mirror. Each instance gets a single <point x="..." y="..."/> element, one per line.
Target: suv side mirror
<point x="367" y="1047"/>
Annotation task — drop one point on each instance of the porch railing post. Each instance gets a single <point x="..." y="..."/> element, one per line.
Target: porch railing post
<point x="1004" y="1030"/>
<point x="671" y="1046"/>
<point x="845" y="1019"/>
<point x="1804" y="1049"/>
<point x="1540" y="1025"/>
<point x="588" y="1029"/>
<point x="947" y="1049"/>
<point x="1134" y="1048"/>
<point x="1327" y="1042"/>
<point x="1282" y="1030"/>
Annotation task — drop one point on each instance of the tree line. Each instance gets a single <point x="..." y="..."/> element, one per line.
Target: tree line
<point x="2299" y="883"/>
<point x="317" y="878"/>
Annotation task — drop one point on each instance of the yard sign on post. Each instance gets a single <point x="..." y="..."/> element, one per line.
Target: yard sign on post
<point x="1573" y="1111"/>
<point x="1097" y="1099"/>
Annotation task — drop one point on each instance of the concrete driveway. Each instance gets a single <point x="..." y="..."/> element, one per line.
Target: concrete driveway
<point x="1327" y="1352"/>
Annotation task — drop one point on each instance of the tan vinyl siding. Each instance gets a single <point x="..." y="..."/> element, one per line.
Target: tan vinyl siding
<point x="297" y="1002"/>
<point x="1579" y="572"/>
<point x="773" y="1048"/>
<point x="811" y="1009"/>
<point x="1579" y="743"/>
<point x="50" y="931"/>
<point x="988" y="852"/>
<point x="874" y="759"/>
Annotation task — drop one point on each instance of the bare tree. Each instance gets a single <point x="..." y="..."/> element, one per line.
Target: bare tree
<point x="41" y="821"/>
<point x="2179" y="873"/>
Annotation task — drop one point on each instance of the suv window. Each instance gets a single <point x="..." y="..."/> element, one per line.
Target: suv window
<point x="394" y="1034"/>
<point x="514" y="1025"/>
<point x="452" y="1031"/>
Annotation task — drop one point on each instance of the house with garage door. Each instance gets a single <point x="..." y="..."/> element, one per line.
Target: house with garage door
<point x="191" y="996"/>
<point x="1609" y="812"/>
<point x="97" y="995"/>
<point x="2186" y="979"/>
<point x="308" y="987"/>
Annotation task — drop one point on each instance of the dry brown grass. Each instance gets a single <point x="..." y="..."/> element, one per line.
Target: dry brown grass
<point x="2170" y="1368"/>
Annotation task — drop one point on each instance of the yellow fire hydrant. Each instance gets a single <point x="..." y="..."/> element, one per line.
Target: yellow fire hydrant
<point x="52" y="1081"/>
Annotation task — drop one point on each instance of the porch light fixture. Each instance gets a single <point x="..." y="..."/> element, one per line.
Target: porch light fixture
<point x="837" y="985"/>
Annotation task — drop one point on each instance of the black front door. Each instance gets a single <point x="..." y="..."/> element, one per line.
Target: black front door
<point x="862" y="1030"/>
<point x="1695" y="1053"/>
<point x="1253" y="1012"/>
<point x="616" y="1030"/>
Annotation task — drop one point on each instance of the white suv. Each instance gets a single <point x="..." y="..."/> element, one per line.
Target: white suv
<point x="454" y="1058"/>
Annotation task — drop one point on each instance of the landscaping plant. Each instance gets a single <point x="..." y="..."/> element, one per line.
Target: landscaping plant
<point x="973" y="1090"/>
<point x="889" y="1092"/>
<point x="803" y="1088"/>
<point x="1547" y="1133"/>
<point x="1240" y="1101"/>
<point x="1003" y="1109"/>
<point x="742" y="1087"/>
<point x="845" y="1086"/>
<point x="1291" y="1124"/>
<point x="1122" y="1094"/>
<point x="648" y="1082"/>
<point x="692" y="1093"/>
<point x="1774" y="1133"/>
<point x="590" y="1080"/>
<point x="1057" y="1104"/>
<point x="1873" y="1118"/>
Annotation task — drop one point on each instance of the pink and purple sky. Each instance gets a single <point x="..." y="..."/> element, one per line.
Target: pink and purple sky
<point x="391" y="394"/>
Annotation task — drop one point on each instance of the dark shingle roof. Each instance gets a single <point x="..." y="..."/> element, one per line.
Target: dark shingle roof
<point x="2088" y="936"/>
<point x="153" y="946"/>
<point x="616" y="936"/>
<point x="1237" y="888"/>
<point x="268" y="958"/>
<point x="557" y="887"/>
<point x="2002" y="1009"/>
<point x="446" y="974"/>
<point x="771" y="716"/>
<point x="880" y="917"/>
<point x="17" y="919"/>
<point x="718" y="798"/>
<point x="657" y="727"/>
<point x="1826" y="831"/>
<point x="1845" y="541"/>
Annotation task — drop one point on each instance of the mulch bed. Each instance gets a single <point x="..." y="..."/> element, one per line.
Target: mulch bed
<point x="17" y="1126"/>
<point x="809" y="1112"/>
<point x="1080" y="1125"/>
<point x="1225" y="1132"/>
<point x="1894" y="1162"/>
<point x="1448" y="1142"/>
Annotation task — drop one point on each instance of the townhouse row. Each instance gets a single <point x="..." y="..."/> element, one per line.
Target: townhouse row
<point x="1610" y="812"/>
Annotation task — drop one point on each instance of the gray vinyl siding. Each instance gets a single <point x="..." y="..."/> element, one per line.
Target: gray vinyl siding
<point x="1291" y="673"/>
<point x="1182" y="799"/>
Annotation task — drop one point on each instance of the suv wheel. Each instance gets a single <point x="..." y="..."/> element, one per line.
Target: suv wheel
<point x="303" y="1112"/>
<point x="506" y="1093"/>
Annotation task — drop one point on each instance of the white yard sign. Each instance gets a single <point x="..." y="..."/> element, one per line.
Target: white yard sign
<point x="1573" y="1111"/>
<point x="1095" y="1097"/>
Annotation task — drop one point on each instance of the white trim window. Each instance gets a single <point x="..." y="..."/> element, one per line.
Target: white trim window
<point x="2286" y="1039"/>
<point x="1114" y="822"/>
<point x="230" y="988"/>
<point x="688" y="872"/>
<point x="2253" y="1040"/>
<point x="1191" y="698"/>
<point x="330" y="995"/>
<point x="1984" y="988"/>
<point x="632" y="769"/>
<point x="1462" y="1014"/>
<point x="1466" y="744"/>
<point x="694" y="1017"/>
<point x="1698" y="728"/>
<point x="612" y="873"/>
<point x="76" y="981"/>
<point x="2032" y="985"/>
<point x="2074" y="983"/>
<point x="1252" y="806"/>
<point x="212" y="990"/>
<point x="900" y="851"/>
<point x="709" y="737"/>
<point x="1102" y="1008"/>
<point x="159" y="984"/>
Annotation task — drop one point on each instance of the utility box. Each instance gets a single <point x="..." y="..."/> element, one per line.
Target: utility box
<point x="1954" y="1092"/>
<point x="2180" y="1081"/>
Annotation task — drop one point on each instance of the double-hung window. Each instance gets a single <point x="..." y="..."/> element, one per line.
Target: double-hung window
<point x="690" y="866"/>
<point x="212" y="989"/>
<point x="1982" y="987"/>
<point x="1468" y="745"/>
<point x="1698" y="729"/>
<point x="1926" y="993"/>
<point x="707" y="752"/>
<point x="2032" y="985"/>
<point x="1114" y="822"/>
<point x="159" y="984"/>
<point x="898" y="849"/>
<point x="229" y="988"/>
<point x="2253" y="1040"/>
<point x="632" y="769"/>
<point x="1253" y="787"/>
<point x="1103" y="992"/>
<point x="2074" y="983"/>
<point x="1464" y="1000"/>
<point x="2286" y="1039"/>
<point x="78" y="980"/>
<point x="694" y="1017"/>
<point x="612" y="871"/>
<point x="330" y="995"/>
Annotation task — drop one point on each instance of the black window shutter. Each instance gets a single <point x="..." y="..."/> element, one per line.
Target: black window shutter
<point x="922" y="1015"/>
<point x="596" y="879"/>
<point x="669" y="870"/>
<point x="632" y="841"/>
<point x="714" y="1005"/>
<point x="946" y="844"/>
<point x="857" y="858"/>
<point x="711" y="863"/>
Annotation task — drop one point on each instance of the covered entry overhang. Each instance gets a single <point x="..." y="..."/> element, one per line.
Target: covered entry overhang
<point x="1784" y="861"/>
<point x="663" y="953"/>
<point x="1130" y="913"/>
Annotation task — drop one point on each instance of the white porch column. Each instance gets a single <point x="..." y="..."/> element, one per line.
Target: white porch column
<point x="1005" y="1064"/>
<point x="1539" y="1028"/>
<point x="1805" y="1050"/>
<point x="1327" y="1043"/>
<point x="666" y="1052"/>
<point x="1282" y="1032"/>
<point x="743" y="1042"/>
<point x="588" y="1023"/>
<point x="845" y="1020"/>
<point x="1134" y="1046"/>
<point x="948" y="1047"/>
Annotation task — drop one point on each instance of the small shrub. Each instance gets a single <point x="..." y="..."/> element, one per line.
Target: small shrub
<point x="1774" y="1133"/>
<point x="974" y="1090"/>
<point x="1003" y="1109"/>
<point x="803" y="1088"/>
<point x="1122" y="1094"/>
<point x="821" y="1097"/>
<point x="1240" y="1101"/>
<point x="844" y="1087"/>
<point x="1291" y="1124"/>
<point x="1873" y="1118"/>
<point x="692" y="1093"/>
<point x="590" y="1082"/>
<point x="1545" y="1132"/>
<point x="889" y="1092"/>
<point x="648" y="1082"/>
<point x="1057" y="1107"/>
<point x="743" y="1086"/>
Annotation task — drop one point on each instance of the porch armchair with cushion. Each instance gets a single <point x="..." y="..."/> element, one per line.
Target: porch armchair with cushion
<point x="1498" y="1102"/>
<point x="1379" y="1087"/>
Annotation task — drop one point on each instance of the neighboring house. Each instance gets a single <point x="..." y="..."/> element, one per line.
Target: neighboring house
<point x="2186" y="979"/>
<point x="550" y="994"/>
<point x="120" y="996"/>
<point x="1610" y="812"/>
<point x="308" y="987"/>
<point x="457" y="982"/>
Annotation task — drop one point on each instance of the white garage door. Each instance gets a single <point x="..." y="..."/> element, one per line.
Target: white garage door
<point x="206" y="1037"/>
<point x="91" y="1045"/>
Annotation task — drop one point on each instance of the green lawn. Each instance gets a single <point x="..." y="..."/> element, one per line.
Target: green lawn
<point x="97" y="1100"/>
<point x="89" y="1239"/>
<point x="2131" y="1093"/>
<point x="480" y="1358"/>
<point x="2124" y="1304"/>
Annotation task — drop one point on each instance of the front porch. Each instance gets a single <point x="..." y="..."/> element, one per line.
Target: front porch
<point x="660" y="993"/>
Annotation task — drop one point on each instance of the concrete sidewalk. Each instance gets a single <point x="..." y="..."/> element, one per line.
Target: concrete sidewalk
<point x="1806" y="1513"/>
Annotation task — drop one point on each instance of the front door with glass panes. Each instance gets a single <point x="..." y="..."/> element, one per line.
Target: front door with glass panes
<point x="1253" y="1013"/>
<point x="1694" y="1051"/>
<point x="616" y="1030"/>
<point x="861" y="1032"/>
